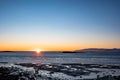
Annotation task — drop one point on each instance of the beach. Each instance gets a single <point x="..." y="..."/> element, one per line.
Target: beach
<point x="57" y="71"/>
<point x="59" y="66"/>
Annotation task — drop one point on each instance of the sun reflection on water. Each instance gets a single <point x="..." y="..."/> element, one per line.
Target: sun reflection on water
<point x="38" y="53"/>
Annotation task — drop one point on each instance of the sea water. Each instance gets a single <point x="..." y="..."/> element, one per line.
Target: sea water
<point x="59" y="57"/>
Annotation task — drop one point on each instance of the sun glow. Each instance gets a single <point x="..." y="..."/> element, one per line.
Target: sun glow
<point x="38" y="50"/>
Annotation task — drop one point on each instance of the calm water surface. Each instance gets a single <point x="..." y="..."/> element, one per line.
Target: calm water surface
<point x="56" y="57"/>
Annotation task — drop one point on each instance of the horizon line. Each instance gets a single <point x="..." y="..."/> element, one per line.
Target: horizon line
<point x="56" y="50"/>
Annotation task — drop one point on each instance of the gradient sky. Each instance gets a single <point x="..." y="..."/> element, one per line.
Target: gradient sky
<point x="59" y="24"/>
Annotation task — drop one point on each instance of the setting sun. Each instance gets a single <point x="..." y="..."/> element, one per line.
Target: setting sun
<point x="38" y="50"/>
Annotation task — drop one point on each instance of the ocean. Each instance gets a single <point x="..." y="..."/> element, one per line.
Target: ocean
<point x="58" y="57"/>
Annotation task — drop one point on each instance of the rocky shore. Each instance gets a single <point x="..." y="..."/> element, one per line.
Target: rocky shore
<point x="37" y="71"/>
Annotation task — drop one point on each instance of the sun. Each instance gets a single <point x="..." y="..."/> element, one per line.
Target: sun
<point x="38" y="50"/>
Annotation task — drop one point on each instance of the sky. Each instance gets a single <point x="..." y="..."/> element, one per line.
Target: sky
<point x="55" y="25"/>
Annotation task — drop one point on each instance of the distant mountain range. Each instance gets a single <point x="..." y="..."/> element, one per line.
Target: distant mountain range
<point x="98" y="50"/>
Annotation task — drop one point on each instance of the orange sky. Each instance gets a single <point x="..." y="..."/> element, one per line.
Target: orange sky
<point x="57" y="25"/>
<point x="51" y="47"/>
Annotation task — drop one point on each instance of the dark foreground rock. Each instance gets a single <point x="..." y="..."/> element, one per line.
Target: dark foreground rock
<point x="29" y="71"/>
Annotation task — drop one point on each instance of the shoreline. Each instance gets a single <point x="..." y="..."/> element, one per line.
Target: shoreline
<point x="56" y="71"/>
